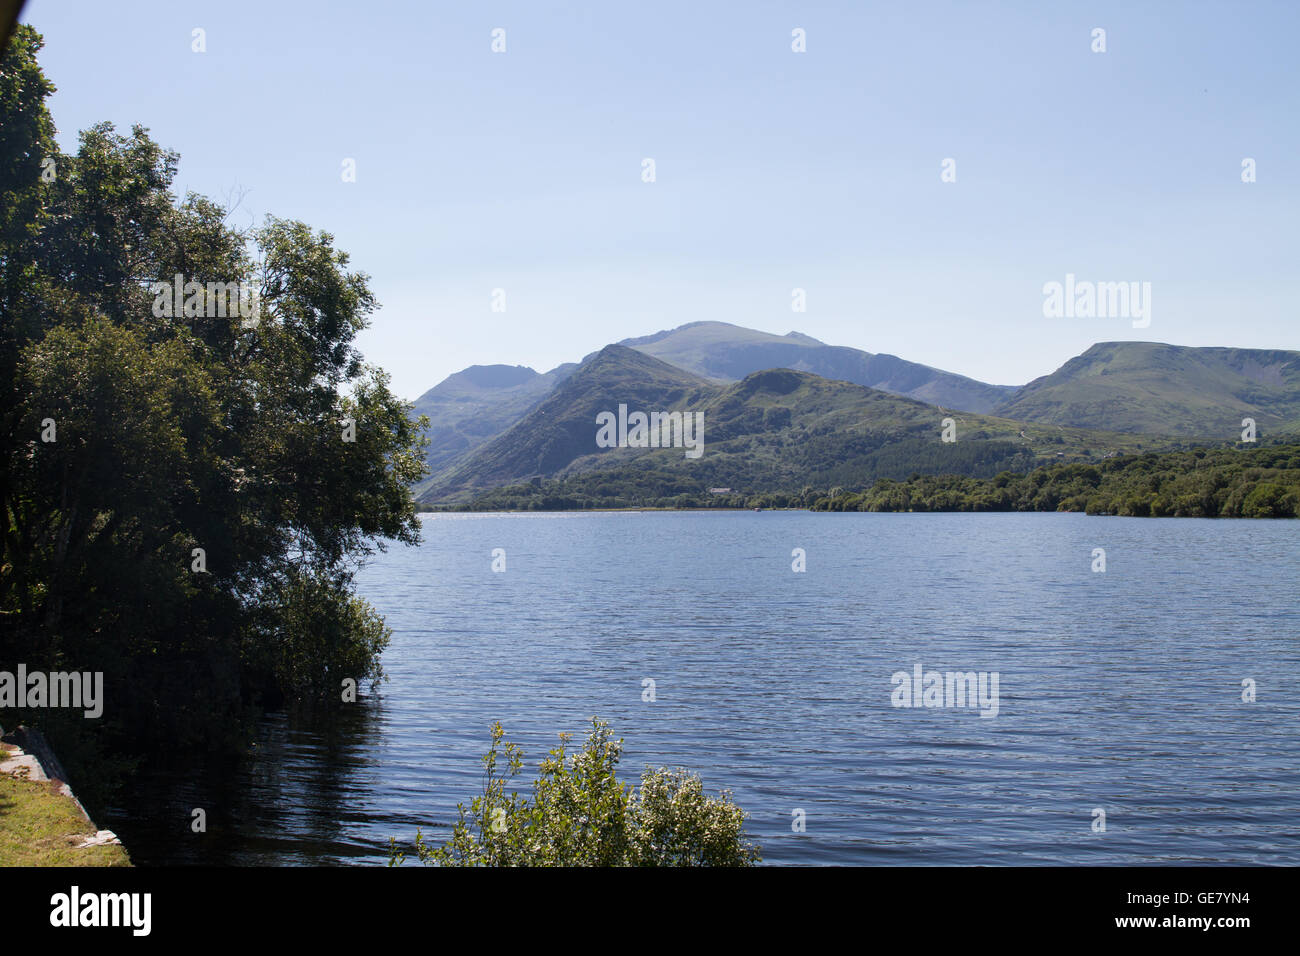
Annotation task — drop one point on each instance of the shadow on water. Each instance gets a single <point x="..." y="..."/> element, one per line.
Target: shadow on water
<point x="287" y="801"/>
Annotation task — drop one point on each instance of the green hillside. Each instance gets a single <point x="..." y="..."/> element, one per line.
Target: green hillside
<point x="475" y="405"/>
<point x="783" y="427"/>
<point x="775" y="429"/>
<point x="561" y="428"/>
<point x="1158" y="389"/>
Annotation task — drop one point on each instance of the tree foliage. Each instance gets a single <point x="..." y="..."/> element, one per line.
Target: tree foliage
<point x="137" y="438"/>
<point x="1241" y="482"/>
<point x="580" y="814"/>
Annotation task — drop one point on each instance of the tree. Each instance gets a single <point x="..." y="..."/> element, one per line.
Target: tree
<point x="1267" y="500"/>
<point x="186" y="491"/>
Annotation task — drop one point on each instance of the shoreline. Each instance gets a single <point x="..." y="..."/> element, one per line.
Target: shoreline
<point x="883" y="511"/>
<point x="46" y="818"/>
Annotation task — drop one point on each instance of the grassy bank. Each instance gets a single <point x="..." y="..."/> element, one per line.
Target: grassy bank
<point x="39" y="826"/>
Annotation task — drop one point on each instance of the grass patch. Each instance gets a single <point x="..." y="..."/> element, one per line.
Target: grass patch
<point x="39" y="826"/>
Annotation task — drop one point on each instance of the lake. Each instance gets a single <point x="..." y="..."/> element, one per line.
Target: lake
<point x="1120" y="691"/>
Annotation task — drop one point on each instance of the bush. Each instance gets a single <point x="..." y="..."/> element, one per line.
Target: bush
<point x="581" y="815"/>
<point x="1266" y="500"/>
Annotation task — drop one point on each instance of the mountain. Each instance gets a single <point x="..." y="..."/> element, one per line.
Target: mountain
<point x="727" y="352"/>
<point x="477" y="404"/>
<point x="776" y="428"/>
<point x="562" y="426"/>
<point x="1157" y="389"/>
<point x="846" y="417"/>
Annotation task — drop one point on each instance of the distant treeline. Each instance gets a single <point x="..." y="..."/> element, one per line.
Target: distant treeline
<point x="1226" y="482"/>
<point x="825" y="464"/>
<point x="1201" y="483"/>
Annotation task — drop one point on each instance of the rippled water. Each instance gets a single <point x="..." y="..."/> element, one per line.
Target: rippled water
<point x="1120" y="691"/>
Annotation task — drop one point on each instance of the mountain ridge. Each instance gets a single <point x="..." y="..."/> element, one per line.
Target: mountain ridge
<point x="775" y="427"/>
<point x="1131" y="388"/>
<point x="728" y="352"/>
<point x="1158" y="388"/>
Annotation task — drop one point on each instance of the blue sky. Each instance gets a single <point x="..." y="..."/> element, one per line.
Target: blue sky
<point x="775" y="170"/>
